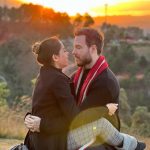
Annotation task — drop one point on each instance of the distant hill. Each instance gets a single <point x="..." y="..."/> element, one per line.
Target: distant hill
<point x="124" y="21"/>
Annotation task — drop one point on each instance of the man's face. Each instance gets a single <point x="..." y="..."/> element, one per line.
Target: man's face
<point x="81" y="51"/>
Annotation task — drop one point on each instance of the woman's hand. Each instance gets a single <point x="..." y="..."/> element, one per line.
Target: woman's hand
<point x="112" y="107"/>
<point x="32" y="123"/>
<point x="28" y="122"/>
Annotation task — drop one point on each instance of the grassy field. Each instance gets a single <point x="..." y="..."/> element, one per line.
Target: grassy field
<point x="5" y="144"/>
<point x="12" y="124"/>
<point x="12" y="128"/>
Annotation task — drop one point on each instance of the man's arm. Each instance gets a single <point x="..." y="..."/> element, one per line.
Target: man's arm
<point x="99" y="95"/>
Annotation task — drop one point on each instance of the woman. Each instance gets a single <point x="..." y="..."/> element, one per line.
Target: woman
<point x="52" y="98"/>
<point x="53" y="106"/>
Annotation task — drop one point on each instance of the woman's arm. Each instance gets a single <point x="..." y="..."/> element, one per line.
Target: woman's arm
<point x="62" y="92"/>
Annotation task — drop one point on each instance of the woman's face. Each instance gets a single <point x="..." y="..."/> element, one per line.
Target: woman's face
<point x="62" y="57"/>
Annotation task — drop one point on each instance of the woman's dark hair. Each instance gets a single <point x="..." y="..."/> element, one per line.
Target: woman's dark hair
<point x="92" y="36"/>
<point x="46" y="49"/>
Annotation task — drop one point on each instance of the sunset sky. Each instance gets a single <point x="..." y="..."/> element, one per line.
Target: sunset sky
<point x="93" y="7"/>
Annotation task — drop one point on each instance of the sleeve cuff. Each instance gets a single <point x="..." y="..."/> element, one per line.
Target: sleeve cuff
<point x="28" y="113"/>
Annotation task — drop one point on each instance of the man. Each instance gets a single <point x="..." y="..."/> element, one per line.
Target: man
<point x="95" y="84"/>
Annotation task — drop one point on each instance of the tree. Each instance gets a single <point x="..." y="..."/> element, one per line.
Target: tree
<point x="125" y="110"/>
<point x="15" y="14"/>
<point x="61" y="25"/>
<point x="143" y="61"/>
<point x="141" y="121"/>
<point x="77" y="20"/>
<point x="134" y="33"/>
<point x="47" y="15"/>
<point x="112" y="32"/>
<point x="31" y="12"/>
<point x="88" y="20"/>
<point x="4" y="93"/>
<point x="147" y="78"/>
<point x="122" y="58"/>
<point x="13" y="53"/>
<point x="83" y="21"/>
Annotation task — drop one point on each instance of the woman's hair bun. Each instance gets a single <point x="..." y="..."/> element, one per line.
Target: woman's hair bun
<point x="36" y="47"/>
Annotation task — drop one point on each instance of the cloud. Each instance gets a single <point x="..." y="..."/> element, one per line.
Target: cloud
<point x="126" y="8"/>
<point x="97" y="7"/>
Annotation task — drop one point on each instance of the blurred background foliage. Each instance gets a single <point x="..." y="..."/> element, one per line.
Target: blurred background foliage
<point x="126" y="49"/>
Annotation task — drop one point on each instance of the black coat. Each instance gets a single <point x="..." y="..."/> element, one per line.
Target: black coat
<point x="104" y="89"/>
<point x="54" y="104"/>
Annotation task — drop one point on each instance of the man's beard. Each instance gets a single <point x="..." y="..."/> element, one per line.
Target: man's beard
<point x="85" y="62"/>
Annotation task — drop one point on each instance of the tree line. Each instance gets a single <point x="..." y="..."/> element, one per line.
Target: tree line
<point x="20" y="27"/>
<point x="32" y="18"/>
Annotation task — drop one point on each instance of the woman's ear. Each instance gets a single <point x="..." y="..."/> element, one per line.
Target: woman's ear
<point x="55" y="58"/>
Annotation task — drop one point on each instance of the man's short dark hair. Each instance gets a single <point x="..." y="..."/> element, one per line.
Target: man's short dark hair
<point x="92" y="36"/>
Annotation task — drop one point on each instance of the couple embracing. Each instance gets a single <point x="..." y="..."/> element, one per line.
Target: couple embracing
<point x="80" y="112"/>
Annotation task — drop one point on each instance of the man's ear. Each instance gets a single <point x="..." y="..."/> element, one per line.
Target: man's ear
<point x="55" y="58"/>
<point x="93" y="48"/>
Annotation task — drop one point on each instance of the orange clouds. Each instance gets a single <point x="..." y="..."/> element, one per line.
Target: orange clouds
<point x="95" y="8"/>
<point x="126" y="8"/>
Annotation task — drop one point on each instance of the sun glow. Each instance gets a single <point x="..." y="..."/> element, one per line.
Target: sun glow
<point x="95" y="7"/>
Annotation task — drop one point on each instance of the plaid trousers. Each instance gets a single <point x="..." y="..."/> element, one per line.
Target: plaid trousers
<point x="86" y="134"/>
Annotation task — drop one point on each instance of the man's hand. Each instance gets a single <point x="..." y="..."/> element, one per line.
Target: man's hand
<point x="32" y="123"/>
<point x="112" y="107"/>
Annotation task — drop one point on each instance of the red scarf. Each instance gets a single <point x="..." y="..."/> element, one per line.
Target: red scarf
<point x="96" y="70"/>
